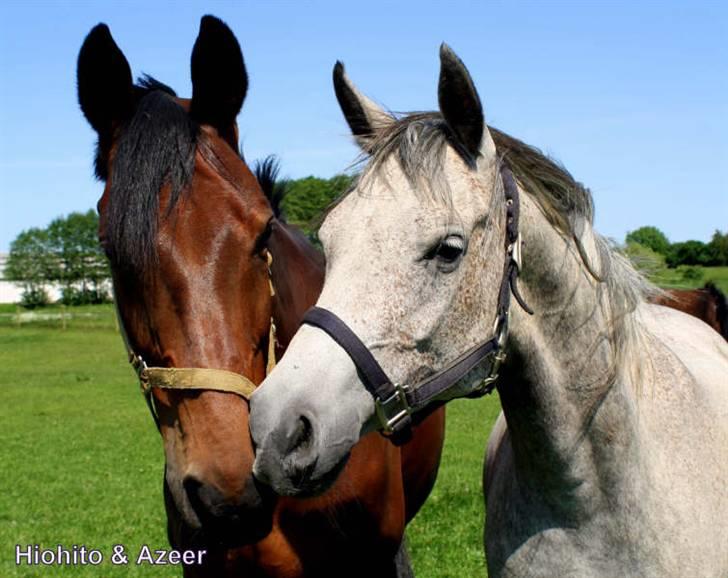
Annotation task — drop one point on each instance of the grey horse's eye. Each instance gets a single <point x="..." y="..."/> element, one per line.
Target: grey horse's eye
<point x="448" y="251"/>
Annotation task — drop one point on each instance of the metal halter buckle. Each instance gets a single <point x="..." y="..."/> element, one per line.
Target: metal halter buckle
<point x="516" y="251"/>
<point x="140" y="366"/>
<point x="394" y="409"/>
<point x="486" y="386"/>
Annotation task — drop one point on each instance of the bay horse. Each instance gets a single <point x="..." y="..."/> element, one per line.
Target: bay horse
<point x="609" y="457"/>
<point x="190" y="234"/>
<point x="707" y="303"/>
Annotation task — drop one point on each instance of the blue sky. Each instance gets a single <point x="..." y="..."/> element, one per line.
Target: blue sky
<point x="631" y="97"/>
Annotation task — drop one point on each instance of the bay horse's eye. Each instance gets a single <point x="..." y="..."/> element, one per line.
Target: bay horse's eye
<point x="262" y="241"/>
<point x="447" y="252"/>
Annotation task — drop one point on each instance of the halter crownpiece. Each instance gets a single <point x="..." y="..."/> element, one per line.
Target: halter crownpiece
<point x="397" y="405"/>
<point x="195" y="377"/>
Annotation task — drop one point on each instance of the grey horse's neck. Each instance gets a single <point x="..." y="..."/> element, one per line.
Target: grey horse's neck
<point x="568" y="408"/>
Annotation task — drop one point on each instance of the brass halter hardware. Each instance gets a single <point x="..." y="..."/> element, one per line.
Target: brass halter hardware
<point x="195" y="377"/>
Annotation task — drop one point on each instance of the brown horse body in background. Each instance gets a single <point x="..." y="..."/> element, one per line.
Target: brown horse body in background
<point x="708" y="303"/>
<point x="188" y="229"/>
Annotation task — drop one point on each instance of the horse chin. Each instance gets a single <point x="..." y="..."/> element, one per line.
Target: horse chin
<point x="232" y="535"/>
<point x="228" y="529"/>
<point x="319" y="482"/>
<point x="307" y="483"/>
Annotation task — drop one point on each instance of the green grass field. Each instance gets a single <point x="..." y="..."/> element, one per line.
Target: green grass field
<point x="82" y="461"/>
<point x="671" y="278"/>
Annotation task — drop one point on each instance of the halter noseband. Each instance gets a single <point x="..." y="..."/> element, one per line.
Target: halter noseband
<point x="194" y="377"/>
<point x="398" y="405"/>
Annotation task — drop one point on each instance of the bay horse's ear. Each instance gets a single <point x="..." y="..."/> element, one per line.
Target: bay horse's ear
<point x="459" y="102"/>
<point x="364" y="116"/>
<point x="105" y="88"/>
<point x="219" y="78"/>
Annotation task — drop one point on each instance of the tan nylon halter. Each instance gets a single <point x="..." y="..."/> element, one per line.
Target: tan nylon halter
<point x="195" y="377"/>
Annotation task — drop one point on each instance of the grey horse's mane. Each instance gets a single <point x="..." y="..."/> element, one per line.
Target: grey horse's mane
<point x="418" y="141"/>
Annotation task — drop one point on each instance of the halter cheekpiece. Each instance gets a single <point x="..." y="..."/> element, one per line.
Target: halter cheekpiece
<point x="196" y="378"/>
<point x="397" y="405"/>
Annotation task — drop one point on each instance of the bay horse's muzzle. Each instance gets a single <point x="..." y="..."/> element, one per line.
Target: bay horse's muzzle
<point x="232" y="520"/>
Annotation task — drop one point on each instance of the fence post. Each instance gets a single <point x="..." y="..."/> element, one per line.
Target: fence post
<point x="63" y="316"/>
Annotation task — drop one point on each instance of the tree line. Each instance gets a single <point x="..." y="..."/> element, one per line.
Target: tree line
<point x="67" y="253"/>
<point x="711" y="254"/>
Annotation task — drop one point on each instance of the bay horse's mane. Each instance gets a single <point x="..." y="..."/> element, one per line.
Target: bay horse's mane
<point x="721" y="304"/>
<point x="157" y="147"/>
<point x="275" y="189"/>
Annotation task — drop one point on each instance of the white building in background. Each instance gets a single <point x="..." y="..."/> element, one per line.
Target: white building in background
<point x="10" y="292"/>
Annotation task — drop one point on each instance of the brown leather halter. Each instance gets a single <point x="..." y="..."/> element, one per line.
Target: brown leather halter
<point x="398" y="405"/>
<point x="194" y="377"/>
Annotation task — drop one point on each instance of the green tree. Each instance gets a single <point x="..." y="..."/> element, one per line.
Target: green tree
<point x="81" y="266"/>
<point x="307" y="198"/>
<point x="718" y="248"/>
<point x="688" y="253"/>
<point x="67" y="252"/>
<point x="644" y="259"/>
<point x="650" y="237"/>
<point x="31" y="263"/>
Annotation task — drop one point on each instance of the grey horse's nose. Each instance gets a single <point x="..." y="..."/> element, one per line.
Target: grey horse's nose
<point x="299" y="457"/>
<point x="286" y="447"/>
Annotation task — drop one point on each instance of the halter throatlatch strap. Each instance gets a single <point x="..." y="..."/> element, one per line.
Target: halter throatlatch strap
<point x="398" y="406"/>
<point x="194" y="378"/>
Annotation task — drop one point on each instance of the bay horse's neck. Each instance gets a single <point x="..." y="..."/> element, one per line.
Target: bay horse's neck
<point x="298" y="275"/>
<point x="568" y="410"/>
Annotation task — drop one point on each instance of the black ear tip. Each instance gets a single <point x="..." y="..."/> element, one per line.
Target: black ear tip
<point x="100" y="29"/>
<point x="210" y="24"/>
<point x="99" y="33"/>
<point x="448" y="56"/>
<point x="339" y="70"/>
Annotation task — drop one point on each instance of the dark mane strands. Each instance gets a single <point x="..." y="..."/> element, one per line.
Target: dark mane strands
<point x="538" y="172"/>
<point x="419" y="141"/>
<point x="266" y="172"/>
<point x="721" y="305"/>
<point x="157" y="147"/>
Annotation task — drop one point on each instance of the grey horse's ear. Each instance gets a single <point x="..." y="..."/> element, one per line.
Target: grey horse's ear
<point x="459" y="102"/>
<point x="365" y="117"/>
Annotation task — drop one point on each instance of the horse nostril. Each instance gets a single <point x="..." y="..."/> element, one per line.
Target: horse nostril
<point x="302" y="437"/>
<point x="244" y="516"/>
<point x="192" y="487"/>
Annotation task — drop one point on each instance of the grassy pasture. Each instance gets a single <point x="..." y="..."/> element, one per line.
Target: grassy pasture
<point x="672" y="279"/>
<point x="81" y="461"/>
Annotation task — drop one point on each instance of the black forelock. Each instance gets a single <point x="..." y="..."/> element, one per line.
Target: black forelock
<point x="156" y="147"/>
<point x="145" y="85"/>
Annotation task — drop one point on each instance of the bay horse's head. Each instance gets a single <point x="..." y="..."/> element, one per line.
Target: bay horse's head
<point x="184" y="223"/>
